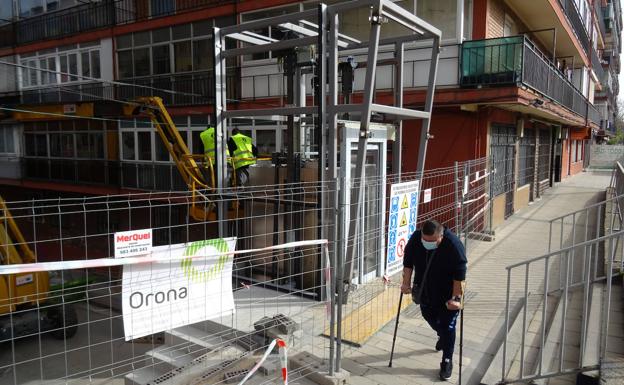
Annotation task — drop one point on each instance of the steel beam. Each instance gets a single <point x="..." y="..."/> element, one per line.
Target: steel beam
<point x="220" y="127"/>
<point x="275" y="46"/>
<point x="357" y="194"/>
<point x="424" y="130"/>
<point x="283" y="111"/>
<point x="399" y="51"/>
<point x="273" y="21"/>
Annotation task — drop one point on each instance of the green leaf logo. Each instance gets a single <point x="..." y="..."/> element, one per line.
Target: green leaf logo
<point x="213" y="272"/>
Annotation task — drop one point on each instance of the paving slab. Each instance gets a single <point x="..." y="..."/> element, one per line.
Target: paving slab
<point x="524" y="235"/>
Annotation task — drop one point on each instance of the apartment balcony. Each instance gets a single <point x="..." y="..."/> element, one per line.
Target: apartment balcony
<point x="92" y="16"/>
<point x="574" y="17"/>
<point x="516" y="61"/>
<point x="186" y="90"/>
<point x="597" y="65"/>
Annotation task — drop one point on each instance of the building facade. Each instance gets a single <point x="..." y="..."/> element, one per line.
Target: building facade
<point x="526" y="83"/>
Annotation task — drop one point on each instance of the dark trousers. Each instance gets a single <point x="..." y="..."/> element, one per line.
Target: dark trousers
<point x="242" y="176"/>
<point x="443" y="321"/>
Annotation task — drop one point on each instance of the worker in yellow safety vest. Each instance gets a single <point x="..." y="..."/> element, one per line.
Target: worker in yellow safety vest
<point x="244" y="155"/>
<point x="208" y="139"/>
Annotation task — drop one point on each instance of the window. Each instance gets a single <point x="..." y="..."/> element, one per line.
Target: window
<point x="28" y="8"/>
<point x="467" y="19"/>
<point x="141" y="62"/>
<point x="509" y="28"/>
<point x="202" y="55"/>
<point x="177" y="51"/>
<point x="265" y="141"/>
<point x="62" y="145"/>
<point x="90" y="145"/>
<point x="441" y="13"/>
<point x="95" y="64"/>
<point x="6" y="15"/>
<point x="144" y="142"/>
<point x="160" y="58"/>
<point x="36" y="144"/>
<point x="160" y="7"/>
<point x="579" y="150"/>
<point x="69" y="65"/>
<point x="125" y="64"/>
<point x="41" y="68"/>
<point x="7" y="143"/>
<point x="127" y="145"/>
<point x="162" y="155"/>
<point x="48" y="77"/>
<point x="183" y="60"/>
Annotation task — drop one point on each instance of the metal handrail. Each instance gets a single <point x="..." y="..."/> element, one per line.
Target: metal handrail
<point x="566" y="284"/>
<point x="565" y="249"/>
<point x="587" y="207"/>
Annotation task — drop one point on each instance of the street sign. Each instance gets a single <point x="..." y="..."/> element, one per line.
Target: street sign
<point x="402" y="222"/>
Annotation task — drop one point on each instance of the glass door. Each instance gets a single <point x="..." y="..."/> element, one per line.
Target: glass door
<point x="369" y="240"/>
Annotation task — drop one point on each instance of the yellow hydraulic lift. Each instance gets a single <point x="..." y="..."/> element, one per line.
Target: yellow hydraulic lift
<point x="202" y="207"/>
<point x="22" y="292"/>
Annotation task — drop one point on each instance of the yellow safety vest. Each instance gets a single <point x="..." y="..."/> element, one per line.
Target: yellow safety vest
<point x="243" y="155"/>
<point x="208" y="139"/>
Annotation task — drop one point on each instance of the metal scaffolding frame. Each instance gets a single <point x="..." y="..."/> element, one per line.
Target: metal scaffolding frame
<point x="329" y="44"/>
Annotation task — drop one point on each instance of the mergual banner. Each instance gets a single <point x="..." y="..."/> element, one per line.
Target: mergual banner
<point x="180" y="290"/>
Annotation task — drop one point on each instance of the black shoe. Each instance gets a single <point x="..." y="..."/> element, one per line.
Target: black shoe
<point x="438" y="345"/>
<point x="446" y="368"/>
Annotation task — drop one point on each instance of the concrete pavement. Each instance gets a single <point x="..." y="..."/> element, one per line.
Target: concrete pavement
<point x="522" y="236"/>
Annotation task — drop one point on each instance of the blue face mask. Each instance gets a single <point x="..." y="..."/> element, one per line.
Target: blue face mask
<point x="429" y="245"/>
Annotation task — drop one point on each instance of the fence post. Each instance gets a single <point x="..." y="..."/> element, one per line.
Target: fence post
<point x="457" y="197"/>
<point x="491" y="197"/>
<point x="340" y="258"/>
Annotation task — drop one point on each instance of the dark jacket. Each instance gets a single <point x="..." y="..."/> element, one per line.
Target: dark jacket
<point x="448" y="264"/>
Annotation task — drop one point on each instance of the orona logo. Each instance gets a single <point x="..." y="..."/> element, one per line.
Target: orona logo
<point x="139" y="299"/>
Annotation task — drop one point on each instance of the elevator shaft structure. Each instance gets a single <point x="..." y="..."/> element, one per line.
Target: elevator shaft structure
<point x="310" y="46"/>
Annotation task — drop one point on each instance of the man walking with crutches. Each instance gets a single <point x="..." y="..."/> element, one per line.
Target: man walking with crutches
<point x="437" y="258"/>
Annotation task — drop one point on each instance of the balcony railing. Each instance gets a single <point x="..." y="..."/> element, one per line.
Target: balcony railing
<point x="189" y="89"/>
<point x="597" y="66"/>
<point x="92" y="16"/>
<point x="601" y="17"/>
<point x="572" y="13"/>
<point x="516" y="61"/>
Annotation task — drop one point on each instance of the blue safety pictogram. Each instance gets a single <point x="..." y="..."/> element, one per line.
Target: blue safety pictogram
<point x="392" y="238"/>
<point x="412" y="228"/>
<point x="414" y="200"/>
<point x="412" y="216"/>
<point x="391" y="256"/>
<point x="395" y="205"/>
<point x="393" y="221"/>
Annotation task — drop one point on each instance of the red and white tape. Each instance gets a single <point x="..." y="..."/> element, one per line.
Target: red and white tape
<point x="108" y="262"/>
<point x="283" y="354"/>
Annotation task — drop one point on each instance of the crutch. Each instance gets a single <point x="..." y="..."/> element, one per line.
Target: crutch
<point x="396" y="327"/>
<point x="461" y="332"/>
<point x="461" y="343"/>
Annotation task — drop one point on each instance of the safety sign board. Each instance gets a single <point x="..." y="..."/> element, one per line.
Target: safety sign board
<point x="401" y="223"/>
<point x="165" y="295"/>
<point x="133" y="243"/>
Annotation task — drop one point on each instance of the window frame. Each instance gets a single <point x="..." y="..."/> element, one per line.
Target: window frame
<point x="24" y="74"/>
